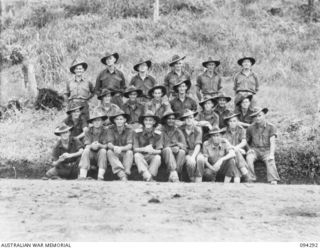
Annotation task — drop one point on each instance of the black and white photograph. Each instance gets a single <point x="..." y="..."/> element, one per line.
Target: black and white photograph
<point x="159" y="121"/>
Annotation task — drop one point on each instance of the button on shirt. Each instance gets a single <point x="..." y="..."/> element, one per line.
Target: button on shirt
<point x="82" y="89"/>
<point x="192" y="139"/>
<point x="178" y="106"/>
<point x="135" y="110"/>
<point x="143" y="84"/>
<point x="210" y="116"/>
<point x="157" y="107"/>
<point x="173" y="78"/>
<point x="107" y="80"/>
<point x="142" y="138"/>
<point x="258" y="136"/>
<point x="215" y="152"/>
<point x="243" y="82"/>
<point x="173" y="137"/>
<point x="209" y="84"/>
<point x="95" y="135"/>
<point x="119" y="139"/>
<point x="222" y="113"/>
<point x="73" y="147"/>
<point x="235" y="136"/>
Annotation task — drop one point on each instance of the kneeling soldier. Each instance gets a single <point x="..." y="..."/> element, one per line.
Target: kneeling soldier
<point x="193" y="135"/>
<point x="95" y="150"/>
<point x="174" y="145"/>
<point x="261" y="136"/>
<point x="66" y="155"/>
<point x="119" y="140"/>
<point x="220" y="158"/>
<point x="147" y="145"/>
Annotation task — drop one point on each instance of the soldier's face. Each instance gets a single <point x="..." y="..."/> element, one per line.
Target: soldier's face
<point x="211" y="66"/>
<point x="182" y="88"/>
<point x="208" y="105"/>
<point x="246" y="64"/>
<point x="222" y="102"/>
<point x="107" y="99"/>
<point x="76" y="113"/>
<point x="133" y="96"/>
<point x="149" y="122"/>
<point x="120" y="121"/>
<point x="157" y="94"/>
<point x="189" y="120"/>
<point x="178" y="65"/>
<point x="110" y="60"/>
<point x="260" y="118"/>
<point x="171" y="120"/>
<point x="233" y="122"/>
<point x="245" y="103"/>
<point x="215" y="138"/>
<point x="97" y="122"/>
<point x="65" y="135"/>
<point x="143" y="67"/>
<point x="79" y="70"/>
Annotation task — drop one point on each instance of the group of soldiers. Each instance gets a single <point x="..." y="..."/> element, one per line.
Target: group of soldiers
<point x="149" y="124"/>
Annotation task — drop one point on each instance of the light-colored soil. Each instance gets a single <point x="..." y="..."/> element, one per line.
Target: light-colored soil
<point x="35" y="210"/>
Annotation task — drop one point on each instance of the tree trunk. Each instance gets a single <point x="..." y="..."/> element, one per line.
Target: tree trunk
<point x="30" y="82"/>
<point x="156" y="11"/>
<point x="311" y="9"/>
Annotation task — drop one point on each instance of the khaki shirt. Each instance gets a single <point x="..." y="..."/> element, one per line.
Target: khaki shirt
<point x="107" y="80"/>
<point x="209" y="84"/>
<point x="236" y="136"/>
<point x="95" y="135"/>
<point x="117" y="139"/>
<point x="258" y="136"/>
<point x="73" y="147"/>
<point x="192" y="139"/>
<point x="77" y="126"/>
<point x="210" y="116"/>
<point x="82" y="89"/>
<point x="142" y="138"/>
<point x="215" y="152"/>
<point x="144" y="85"/>
<point x="243" y="82"/>
<point x="158" y="108"/>
<point x="222" y="113"/>
<point x="178" y="106"/>
<point x="173" y="137"/>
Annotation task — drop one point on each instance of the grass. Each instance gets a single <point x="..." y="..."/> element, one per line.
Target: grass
<point x="52" y="33"/>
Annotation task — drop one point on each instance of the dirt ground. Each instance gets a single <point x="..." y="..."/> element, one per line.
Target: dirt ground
<point x="36" y="210"/>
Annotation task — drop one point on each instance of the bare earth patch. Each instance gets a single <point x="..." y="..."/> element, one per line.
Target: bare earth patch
<point x="35" y="210"/>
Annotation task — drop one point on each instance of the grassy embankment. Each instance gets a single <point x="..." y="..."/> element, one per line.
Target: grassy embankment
<point x="287" y="50"/>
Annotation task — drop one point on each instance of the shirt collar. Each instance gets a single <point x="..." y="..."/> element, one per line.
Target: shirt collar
<point x="263" y="125"/>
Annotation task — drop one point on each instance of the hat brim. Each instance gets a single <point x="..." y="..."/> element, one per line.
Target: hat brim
<point x="103" y="117"/>
<point x="215" y="132"/>
<point x="187" y="82"/>
<point x="240" y="61"/>
<point x="59" y="132"/>
<point x="226" y="119"/>
<point x="138" y="91"/>
<point x="243" y="98"/>
<point x="176" y="60"/>
<point x="136" y="67"/>
<point x="156" y="118"/>
<point x="213" y="99"/>
<point x="228" y="99"/>
<point x="83" y="64"/>
<point x="125" y="115"/>
<point x="115" y="55"/>
<point x="163" y="88"/>
<point x="73" y="109"/>
<point x="185" y="116"/>
<point x="205" y="63"/>
<point x="165" y="117"/>
<point x="264" y="110"/>
<point x="112" y="93"/>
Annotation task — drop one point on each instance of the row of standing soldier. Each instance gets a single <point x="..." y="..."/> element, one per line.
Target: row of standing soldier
<point x="159" y="123"/>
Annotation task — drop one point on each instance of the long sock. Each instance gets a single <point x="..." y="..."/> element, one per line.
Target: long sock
<point x="83" y="173"/>
<point x="101" y="173"/>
